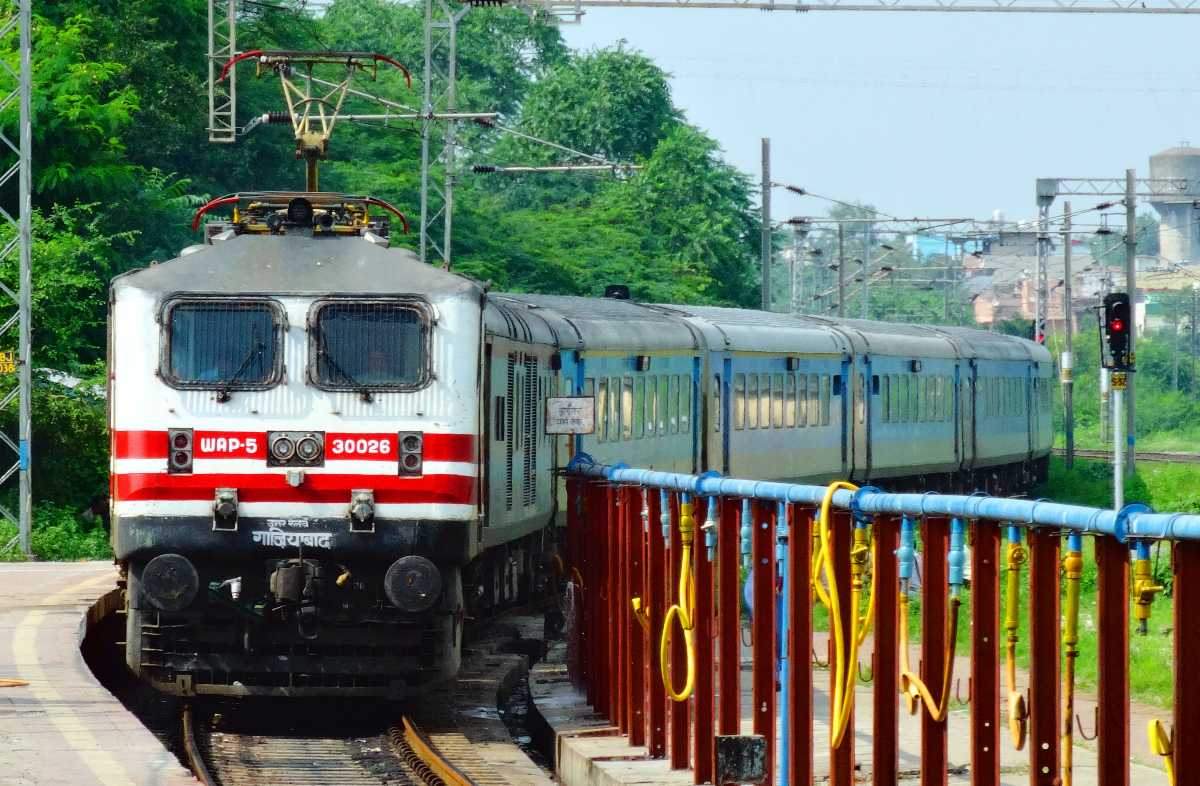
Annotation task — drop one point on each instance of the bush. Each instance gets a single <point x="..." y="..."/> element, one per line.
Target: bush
<point x="59" y="534"/>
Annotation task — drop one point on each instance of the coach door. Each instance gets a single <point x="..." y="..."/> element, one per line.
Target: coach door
<point x="1032" y="389"/>
<point x="966" y="409"/>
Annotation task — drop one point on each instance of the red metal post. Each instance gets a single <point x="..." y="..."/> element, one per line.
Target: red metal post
<point x="610" y="701"/>
<point x="594" y="596"/>
<point x="678" y="740"/>
<point x="1044" y="638"/>
<point x="1112" y="646"/>
<point x="729" y="616"/>
<point x="841" y="765"/>
<point x="935" y="543"/>
<point x="762" y="552"/>
<point x="577" y="557"/>
<point x="799" y="644"/>
<point x="656" y="567"/>
<point x="702" y="723"/>
<point x="635" y="556"/>
<point x="885" y="747"/>
<point x="985" y="655"/>
<point x="621" y="616"/>
<point x="1187" y="650"/>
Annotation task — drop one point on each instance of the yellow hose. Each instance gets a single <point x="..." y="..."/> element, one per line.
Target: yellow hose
<point x="1163" y="744"/>
<point x="1018" y="713"/>
<point x="845" y="647"/>
<point x="1072" y="571"/>
<point x="683" y="611"/>
<point x="912" y="687"/>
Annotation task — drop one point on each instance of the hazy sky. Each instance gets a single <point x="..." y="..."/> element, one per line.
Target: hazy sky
<point x="930" y="114"/>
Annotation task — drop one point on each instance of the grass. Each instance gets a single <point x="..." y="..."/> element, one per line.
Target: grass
<point x="1165" y="487"/>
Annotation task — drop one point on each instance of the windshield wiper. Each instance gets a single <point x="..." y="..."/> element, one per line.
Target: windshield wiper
<point x="359" y="388"/>
<point x="224" y="386"/>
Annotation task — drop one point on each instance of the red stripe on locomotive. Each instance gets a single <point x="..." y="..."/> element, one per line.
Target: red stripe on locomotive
<point x="153" y="445"/>
<point x="273" y="487"/>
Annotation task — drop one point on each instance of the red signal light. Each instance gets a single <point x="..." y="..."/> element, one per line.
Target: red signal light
<point x="1117" y="325"/>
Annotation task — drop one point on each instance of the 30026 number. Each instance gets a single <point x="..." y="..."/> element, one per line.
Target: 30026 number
<point x="360" y="447"/>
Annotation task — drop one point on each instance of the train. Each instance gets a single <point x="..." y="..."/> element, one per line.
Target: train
<point x="328" y="457"/>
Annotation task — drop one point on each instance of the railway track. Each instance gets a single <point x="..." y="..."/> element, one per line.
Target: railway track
<point x="1178" y="458"/>
<point x="340" y="751"/>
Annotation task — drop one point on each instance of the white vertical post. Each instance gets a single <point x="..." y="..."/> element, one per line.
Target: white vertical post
<point x="765" y="254"/>
<point x="1118" y="429"/>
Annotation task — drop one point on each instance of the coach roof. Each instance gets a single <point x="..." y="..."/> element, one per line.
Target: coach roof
<point x="296" y="265"/>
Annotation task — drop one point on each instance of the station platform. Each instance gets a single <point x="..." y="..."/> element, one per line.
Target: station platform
<point x="64" y="728"/>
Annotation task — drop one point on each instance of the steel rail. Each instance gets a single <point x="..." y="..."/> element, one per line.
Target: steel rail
<point x="442" y="770"/>
<point x="1182" y="458"/>
<point x="1134" y="521"/>
<point x="192" y="750"/>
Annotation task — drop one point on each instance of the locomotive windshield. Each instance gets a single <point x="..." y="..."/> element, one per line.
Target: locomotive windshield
<point x="369" y="346"/>
<point x="222" y="344"/>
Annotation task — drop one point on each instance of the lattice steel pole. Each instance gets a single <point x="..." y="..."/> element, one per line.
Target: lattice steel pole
<point x="1040" y="277"/>
<point x="20" y="171"/>
<point x="222" y="95"/>
<point x="439" y="96"/>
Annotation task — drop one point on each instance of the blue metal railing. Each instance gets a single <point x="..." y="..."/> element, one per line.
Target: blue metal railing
<point x="1134" y="521"/>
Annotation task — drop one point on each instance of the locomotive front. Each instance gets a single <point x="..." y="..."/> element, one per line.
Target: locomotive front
<point x="295" y="461"/>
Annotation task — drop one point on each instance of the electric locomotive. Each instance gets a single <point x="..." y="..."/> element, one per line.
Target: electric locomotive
<point x="327" y="455"/>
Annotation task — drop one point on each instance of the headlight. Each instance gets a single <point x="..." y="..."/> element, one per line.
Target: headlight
<point x="282" y="448"/>
<point x="308" y="449"/>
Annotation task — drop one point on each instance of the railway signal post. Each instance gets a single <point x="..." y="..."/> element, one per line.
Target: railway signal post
<point x="1116" y="355"/>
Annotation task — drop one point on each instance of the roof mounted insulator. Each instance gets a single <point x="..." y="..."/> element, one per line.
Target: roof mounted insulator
<point x="616" y="292"/>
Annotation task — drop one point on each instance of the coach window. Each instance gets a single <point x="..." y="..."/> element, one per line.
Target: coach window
<point x="790" y="402"/>
<point x="814" y="400"/>
<point x="716" y="403"/>
<point x="764" y="401"/>
<point x="914" y="399"/>
<point x="673" y="404"/>
<point x="664" y="388"/>
<point x="614" y="409"/>
<point x="739" y="401"/>
<point x="627" y="408"/>
<point x="860" y="400"/>
<point x="602" y="411"/>
<point x="651" y="397"/>
<point x="825" y="400"/>
<point x="223" y="344"/>
<point x="685" y="406"/>
<point x="777" y="401"/>
<point x="752" y="401"/>
<point x="802" y="400"/>
<point x="639" y="407"/>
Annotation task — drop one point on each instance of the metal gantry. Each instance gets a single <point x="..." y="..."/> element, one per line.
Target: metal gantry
<point x="16" y="170"/>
